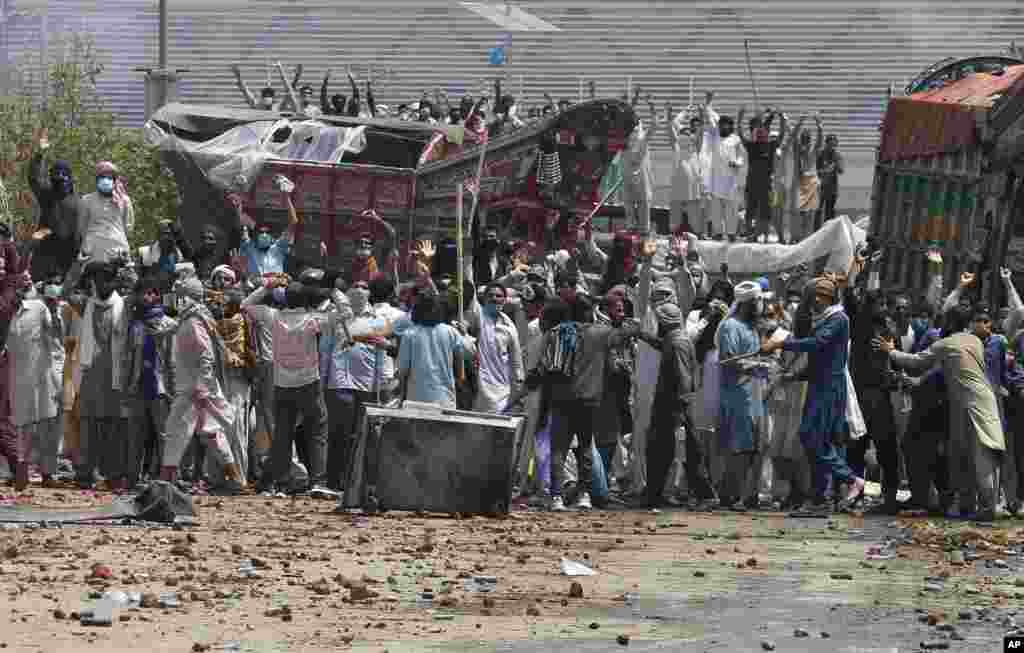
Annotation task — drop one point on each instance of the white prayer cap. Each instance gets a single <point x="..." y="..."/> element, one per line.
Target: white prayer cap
<point x="747" y="291"/>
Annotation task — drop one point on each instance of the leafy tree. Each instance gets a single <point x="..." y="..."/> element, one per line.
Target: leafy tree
<point x="82" y="132"/>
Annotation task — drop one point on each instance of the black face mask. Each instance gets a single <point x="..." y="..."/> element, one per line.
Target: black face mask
<point x="725" y="131"/>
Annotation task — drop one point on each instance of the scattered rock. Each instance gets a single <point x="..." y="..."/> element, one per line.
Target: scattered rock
<point x="322" y="587"/>
<point x="935" y="646"/>
<point x="825" y="634"/>
<point x="488" y="602"/>
<point x="150" y="600"/>
<point x="532" y="611"/>
<point x="200" y="648"/>
<point x="751" y="562"/>
<point x="360" y="592"/>
<point x="965" y="614"/>
<point x="934" y="618"/>
<point x="932" y="587"/>
<point x="699" y="574"/>
<point x="575" y="591"/>
<point x="237" y="550"/>
<point x="957" y="558"/>
<point x="800" y="632"/>
<point x="767" y="646"/>
<point x="101" y="571"/>
<point x="59" y="614"/>
<point x="842" y="575"/>
<point x="594" y="625"/>
<point x="1000" y="564"/>
<point x="623" y="640"/>
<point x="11" y="552"/>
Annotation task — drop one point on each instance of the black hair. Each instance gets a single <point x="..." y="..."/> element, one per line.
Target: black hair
<point x="382" y="289"/>
<point x="956" y="319"/>
<point x="555" y="312"/>
<point x="306" y="88"/>
<point x="427" y="310"/>
<point x="726" y="120"/>
<point x="296" y="295"/>
<point x="583" y="308"/>
<point x="267" y="92"/>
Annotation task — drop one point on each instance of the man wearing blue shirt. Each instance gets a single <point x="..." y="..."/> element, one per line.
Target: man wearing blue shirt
<point x="266" y="255"/>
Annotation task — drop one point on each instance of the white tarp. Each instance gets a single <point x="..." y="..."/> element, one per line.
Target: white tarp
<point x="837" y="240"/>
<point x="233" y="160"/>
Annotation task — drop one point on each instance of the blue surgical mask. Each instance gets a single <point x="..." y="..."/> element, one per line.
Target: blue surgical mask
<point x="52" y="291"/>
<point x="105" y="185"/>
<point x="263" y="241"/>
<point x="491" y="310"/>
<point x="919" y="325"/>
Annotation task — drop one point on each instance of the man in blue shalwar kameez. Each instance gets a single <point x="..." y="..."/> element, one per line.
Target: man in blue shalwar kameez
<point x="824" y="419"/>
<point x="739" y="438"/>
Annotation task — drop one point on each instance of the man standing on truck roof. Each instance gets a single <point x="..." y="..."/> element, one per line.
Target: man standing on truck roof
<point x="724" y="153"/>
<point x="830" y="166"/>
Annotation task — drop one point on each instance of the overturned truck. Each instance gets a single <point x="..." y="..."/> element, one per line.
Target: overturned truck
<point x="407" y="172"/>
<point x="948" y="181"/>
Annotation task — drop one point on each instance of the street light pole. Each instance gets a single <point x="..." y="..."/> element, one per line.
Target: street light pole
<point x="161" y="82"/>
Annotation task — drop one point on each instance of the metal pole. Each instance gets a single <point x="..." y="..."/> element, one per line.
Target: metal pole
<point x="459" y="273"/>
<point x="163" y="35"/>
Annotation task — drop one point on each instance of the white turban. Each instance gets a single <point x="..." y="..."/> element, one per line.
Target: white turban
<point x="747" y="291"/>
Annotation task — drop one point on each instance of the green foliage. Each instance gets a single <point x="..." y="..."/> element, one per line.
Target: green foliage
<point x="82" y="132"/>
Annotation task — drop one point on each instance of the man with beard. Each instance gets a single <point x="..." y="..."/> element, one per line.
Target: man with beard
<point x="103" y="343"/>
<point x="673" y="406"/>
<point x="35" y="345"/>
<point x="58" y="212"/>
<point x="739" y="434"/>
<point x="824" y="420"/>
<point x="761" y="155"/>
<point x="150" y="354"/>
<point x="875" y="381"/>
<point x="199" y="405"/>
<point x="723" y="152"/>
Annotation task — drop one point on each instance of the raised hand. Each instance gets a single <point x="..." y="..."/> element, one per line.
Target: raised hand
<point x="1005" y="274"/>
<point x="648" y="249"/>
<point x="966" y="279"/>
<point x="425" y="249"/>
<point x="323" y="249"/>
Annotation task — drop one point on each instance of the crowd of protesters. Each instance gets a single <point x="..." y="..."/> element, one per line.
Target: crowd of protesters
<point x="642" y="384"/>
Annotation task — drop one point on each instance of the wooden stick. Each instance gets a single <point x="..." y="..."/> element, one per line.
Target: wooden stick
<point x="581" y="89"/>
<point x="690" y="104"/>
<point x="750" y="73"/>
<point x="603" y="201"/>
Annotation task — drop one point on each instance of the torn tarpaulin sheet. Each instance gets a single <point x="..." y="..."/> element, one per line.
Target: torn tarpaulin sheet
<point x="157" y="502"/>
<point x="232" y="160"/>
